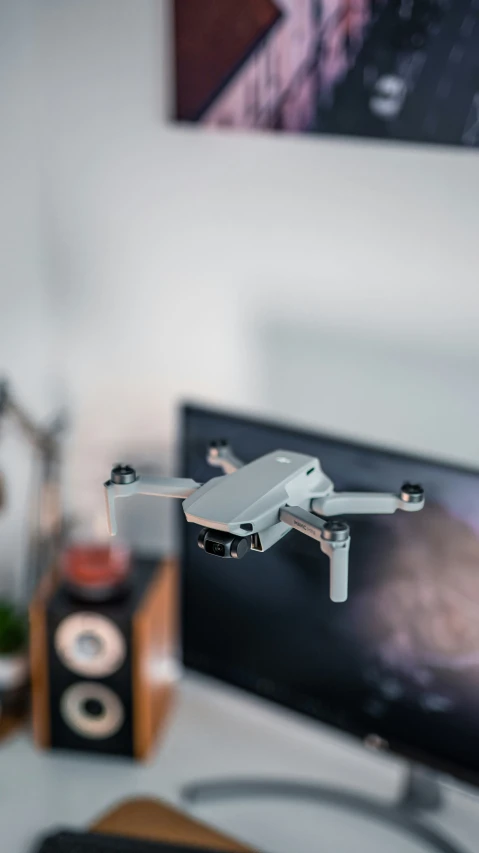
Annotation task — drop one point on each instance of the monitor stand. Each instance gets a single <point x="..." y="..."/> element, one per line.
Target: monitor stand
<point x="421" y="793"/>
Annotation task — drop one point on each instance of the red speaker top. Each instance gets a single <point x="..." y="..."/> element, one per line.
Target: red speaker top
<point x="96" y="572"/>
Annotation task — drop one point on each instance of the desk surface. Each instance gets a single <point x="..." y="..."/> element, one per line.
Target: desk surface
<point x="10" y="723"/>
<point x="155" y="821"/>
<point x="217" y="731"/>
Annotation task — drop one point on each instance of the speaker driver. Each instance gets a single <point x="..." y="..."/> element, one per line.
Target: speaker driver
<point x="92" y="710"/>
<point x="90" y="645"/>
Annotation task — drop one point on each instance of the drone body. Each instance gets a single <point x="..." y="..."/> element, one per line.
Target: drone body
<point x="251" y="507"/>
<point x="250" y="498"/>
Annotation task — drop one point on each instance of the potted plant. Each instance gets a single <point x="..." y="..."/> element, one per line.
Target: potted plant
<point x="13" y="649"/>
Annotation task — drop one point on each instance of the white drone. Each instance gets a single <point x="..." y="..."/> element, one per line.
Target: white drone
<point x="257" y="504"/>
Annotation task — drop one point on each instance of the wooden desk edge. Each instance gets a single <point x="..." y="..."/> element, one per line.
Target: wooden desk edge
<point x="153" y="820"/>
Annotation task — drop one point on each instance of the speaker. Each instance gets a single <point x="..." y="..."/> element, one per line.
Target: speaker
<point x="103" y="672"/>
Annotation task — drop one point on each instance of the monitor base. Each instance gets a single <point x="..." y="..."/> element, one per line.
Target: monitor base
<point x="421" y="792"/>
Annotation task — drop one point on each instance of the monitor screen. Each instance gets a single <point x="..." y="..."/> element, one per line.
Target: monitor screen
<point x="399" y="659"/>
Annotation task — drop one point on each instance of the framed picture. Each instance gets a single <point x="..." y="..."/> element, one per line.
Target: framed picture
<point x="386" y="69"/>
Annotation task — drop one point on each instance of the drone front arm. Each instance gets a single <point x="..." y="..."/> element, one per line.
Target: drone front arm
<point x="334" y="540"/>
<point x="302" y="520"/>
<point x="338" y="553"/>
<point x="410" y="499"/>
<point x="125" y="482"/>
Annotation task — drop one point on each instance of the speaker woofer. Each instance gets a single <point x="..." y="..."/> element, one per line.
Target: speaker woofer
<point x="92" y="710"/>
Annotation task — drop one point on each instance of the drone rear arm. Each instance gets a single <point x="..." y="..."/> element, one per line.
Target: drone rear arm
<point x="410" y="499"/>
<point x="350" y="502"/>
<point x="125" y="482"/>
<point x="220" y="455"/>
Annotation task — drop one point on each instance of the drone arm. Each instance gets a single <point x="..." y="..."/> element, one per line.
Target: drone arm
<point x="334" y="541"/>
<point x="220" y="455"/>
<point x="163" y="487"/>
<point x="303" y="521"/>
<point x="369" y="503"/>
<point x="167" y="487"/>
<point x="355" y="502"/>
<point x="338" y="553"/>
<point x="110" y="495"/>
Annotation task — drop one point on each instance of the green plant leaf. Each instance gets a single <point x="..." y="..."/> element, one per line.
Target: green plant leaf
<point x="13" y="629"/>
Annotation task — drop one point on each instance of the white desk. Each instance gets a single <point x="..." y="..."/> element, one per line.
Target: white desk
<point x="218" y="731"/>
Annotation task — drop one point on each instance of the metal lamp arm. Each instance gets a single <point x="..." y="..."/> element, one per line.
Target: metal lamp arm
<point x="38" y="436"/>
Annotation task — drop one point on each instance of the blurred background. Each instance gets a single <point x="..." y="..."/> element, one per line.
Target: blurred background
<point x="325" y="281"/>
<point x="327" y="278"/>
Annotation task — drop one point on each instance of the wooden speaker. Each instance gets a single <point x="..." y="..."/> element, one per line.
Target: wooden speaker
<point x="103" y="673"/>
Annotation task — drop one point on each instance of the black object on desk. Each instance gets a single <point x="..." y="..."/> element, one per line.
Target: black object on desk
<point x="92" y="842"/>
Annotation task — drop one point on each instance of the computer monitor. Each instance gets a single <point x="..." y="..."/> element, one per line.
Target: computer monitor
<point x="400" y="659"/>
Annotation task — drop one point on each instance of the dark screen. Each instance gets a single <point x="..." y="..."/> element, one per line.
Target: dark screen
<point x="400" y="658"/>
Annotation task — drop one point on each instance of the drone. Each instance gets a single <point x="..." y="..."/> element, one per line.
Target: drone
<point x="252" y="506"/>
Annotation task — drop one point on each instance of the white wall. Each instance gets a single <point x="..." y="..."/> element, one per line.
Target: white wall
<point x="216" y="265"/>
<point x="26" y="354"/>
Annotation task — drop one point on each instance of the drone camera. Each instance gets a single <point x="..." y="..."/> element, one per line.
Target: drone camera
<point x="221" y="544"/>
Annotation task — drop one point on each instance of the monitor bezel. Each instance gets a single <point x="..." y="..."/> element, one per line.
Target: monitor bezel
<point x="395" y="748"/>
